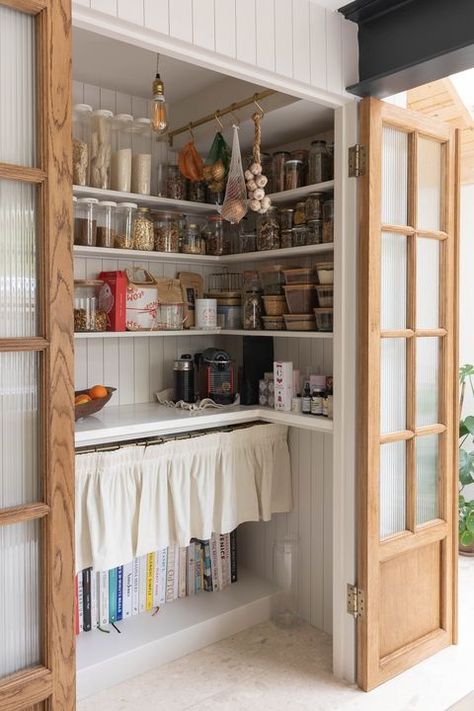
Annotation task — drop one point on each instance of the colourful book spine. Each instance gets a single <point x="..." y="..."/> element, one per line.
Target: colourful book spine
<point x="113" y="595"/>
<point x="76" y="606"/>
<point x="182" y="572"/>
<point x="119" y="593"/>
<point x="86" y="594"/>
<point x="81" y="602"/>
<point x="149" y="581"/>
<point x="227" y="573"/>
<point x="191" y="573"/>
<point x="233" y="556"/>
<point x="176" y="573"/>
<point x="127" y="590"/>
<point x="198" y="566"/>
<point x="222" y="577"/>
<point x="136" y="585"/>
<point x="156" y="579"/>
<point x="104" y="598"/>
<point x="207" y="572"/>
<point x="142" y="584"/>
<point x="163" y="566"/>
<point x="170" y="572"/>
<point x="214" y="562"/>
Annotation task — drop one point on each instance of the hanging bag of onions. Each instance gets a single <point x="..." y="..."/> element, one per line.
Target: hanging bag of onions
<point x="235" y="201"/>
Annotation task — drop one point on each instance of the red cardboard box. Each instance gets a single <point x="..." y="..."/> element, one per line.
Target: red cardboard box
<point x="112" y="299"/>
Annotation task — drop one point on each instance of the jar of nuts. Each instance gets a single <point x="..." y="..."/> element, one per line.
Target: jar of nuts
<point x="268" y="230"/>
<point x="143" y="231"/>
<point x="88" y="316"/>
<point x="166" y="232"/>
<point x="125" y="215"/>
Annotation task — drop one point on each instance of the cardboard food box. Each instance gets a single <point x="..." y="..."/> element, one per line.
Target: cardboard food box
<point x="142" y="300"/>
<point x="112" y="299"/>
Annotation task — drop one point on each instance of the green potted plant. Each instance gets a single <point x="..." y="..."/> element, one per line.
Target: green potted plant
<point x="466" y="466"/>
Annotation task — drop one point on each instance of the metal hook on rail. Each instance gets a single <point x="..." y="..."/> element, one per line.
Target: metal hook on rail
<point x="234" y="115"/>
<point x="190" y="129"/>
<point x="258" y="105"/>
<point x="216" y="116"/>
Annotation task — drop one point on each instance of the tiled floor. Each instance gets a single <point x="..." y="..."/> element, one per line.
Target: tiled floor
<point x="265" y="668"/>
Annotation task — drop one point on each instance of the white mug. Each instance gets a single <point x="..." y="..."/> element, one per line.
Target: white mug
<point x="206" y="313"/>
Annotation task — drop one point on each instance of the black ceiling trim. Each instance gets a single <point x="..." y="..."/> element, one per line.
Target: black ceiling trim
<point x="365" y="10"/>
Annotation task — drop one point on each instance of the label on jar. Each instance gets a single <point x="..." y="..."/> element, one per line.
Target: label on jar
<point x="317" y="404"/>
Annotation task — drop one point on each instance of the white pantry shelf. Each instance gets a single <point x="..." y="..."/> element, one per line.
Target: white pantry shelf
<point x="158" y="203"/>
<point x="199" y="332"/>
<point x="299" y="193"/>
<point x="273" y="254"/>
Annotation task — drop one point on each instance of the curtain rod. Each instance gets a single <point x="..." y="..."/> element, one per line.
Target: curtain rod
<point x="221" y="112"/>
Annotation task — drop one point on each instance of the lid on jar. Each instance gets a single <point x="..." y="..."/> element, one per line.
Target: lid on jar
<point x="314" y="195"/>
<point x="103" y="112"/>
<point x="132" y="205"/>
<point x="281" y="153"/>
<point x="88" y="200"/>
<point x="293" y="161"/>
<point x="318" y="142"/>
<point x="324" y="265"/>
<point x="127" y="118"/>
<point x="143" y="210"/>
<point x="144" y="121"/>
<point x="216" y="218"/>
<point x="107" y="203"/>
<point x="82" y="107"/>
<point x="287" y="209"/>
<point x="167" y="216"/>
<point x="88" y="282"/>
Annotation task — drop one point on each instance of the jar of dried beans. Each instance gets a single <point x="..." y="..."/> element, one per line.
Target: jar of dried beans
<point x="88" y="316"/>
<point x="143" y="231"/>
<point x="217" y="241"/>
<point x="268" y="230"/>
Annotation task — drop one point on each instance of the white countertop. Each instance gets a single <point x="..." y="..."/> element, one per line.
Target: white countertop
<point x="128" y="422"/>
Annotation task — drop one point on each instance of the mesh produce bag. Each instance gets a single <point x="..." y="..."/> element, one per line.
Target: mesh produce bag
<point x="234" y="207"/>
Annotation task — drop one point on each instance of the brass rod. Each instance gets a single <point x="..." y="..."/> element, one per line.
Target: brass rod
<point x="221" y="112"/>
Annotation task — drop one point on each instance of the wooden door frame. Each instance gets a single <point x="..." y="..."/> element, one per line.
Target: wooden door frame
<point x="372" y="114"/>
<point x="52" y="684"/>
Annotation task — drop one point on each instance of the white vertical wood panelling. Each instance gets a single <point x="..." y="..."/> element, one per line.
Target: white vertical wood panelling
<point x="317" y="43"/>
<point x="225" y="27"/>
<point x="265" y="33"/>
<point x="108" y="99"/>
<point x="350" y="53"/>
<point x="335" y="80"/>
<point x="203" y="23"/>
<point x="284" y="38"/>
<point x="107" y="6"/>
<point x="156" y="15"/>
<point x="85" y="3"/>
<point x="77" y="92"/>
<point x="301" y="51"/>
<point x="181" y="19"/>
<point x="246" y="31"/>
<point x="92" y="95"/>
<point x="131" y="11"/>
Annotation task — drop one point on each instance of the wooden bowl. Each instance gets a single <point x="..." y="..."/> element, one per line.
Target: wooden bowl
<point x="92" y="407"/>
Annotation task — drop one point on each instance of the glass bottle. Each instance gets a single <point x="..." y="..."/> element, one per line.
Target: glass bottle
<point x="121" y="162"/>
<point x="101" y="148"/>
<point x="318" y="167"/>
<point x="81" y="138"/>
<point x="141" y="156"/>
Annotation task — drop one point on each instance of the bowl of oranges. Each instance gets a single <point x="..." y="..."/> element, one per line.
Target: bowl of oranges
<point x="91" y="401"/>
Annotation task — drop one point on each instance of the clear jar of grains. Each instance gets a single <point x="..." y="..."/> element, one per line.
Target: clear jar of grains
<point x="268" y="230"/>
<point x="81" y="137"/>
<point x="100" y="148"/>
<point x="166" y="232"/>
<point x="85" y="222"/>
<point x="143" y="231"/>
<point x="106" y="231"/>
<point x="217" y="242"/>
<point x="193" y="242"/>
<point x="175" y="183"/>
<point x="125" y="215"/>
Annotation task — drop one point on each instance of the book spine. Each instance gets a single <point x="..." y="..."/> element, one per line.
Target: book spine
<point x="76" y="606"/>
<point x="150" y="564"/>
<point x="136" y="585"/>
<point x="86" y="593"/>
<point x="127" y="590"/>
<point x="142" y="584"/>
<point x="222" y="575"/>
<point x="119" y="593"/>
<point x="198" y="566"/>
<point x="176" y="573"/>
<point x="233" y="556"/>
<point x="214" y="562"/>
<point x="80" y="598"/>
<point x="227" y="574"/>
<point x="191" y="576"/>
<point x="182" y="572"/>
<point x="163" y="576"/>
<point x="112" y="594"/>
<point x="156" y="578"/>
<point x="207" y="571"/>
<point x="104" y="598"/>
<point x="170" y="575"/>
<point x="94" y="601"/>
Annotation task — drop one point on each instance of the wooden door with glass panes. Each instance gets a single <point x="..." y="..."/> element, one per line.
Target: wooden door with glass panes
<point x="37" y="660"/>
<point x="407" y="470"/>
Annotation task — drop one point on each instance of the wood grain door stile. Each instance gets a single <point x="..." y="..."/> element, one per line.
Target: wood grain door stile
<point x="50" y="684"/>
<point x="409" y="576"/>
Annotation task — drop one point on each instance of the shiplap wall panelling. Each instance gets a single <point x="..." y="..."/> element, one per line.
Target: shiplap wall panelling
<point x="350" y="53"/>
<point x="284" y="38"/>
<point x="109" y="7"/>
<point x="156" y="15"/>
<point x="246" y="46"/>
<point x="334" y="52"/>
<point x="181" y="20"/>
<point x="132" y="11"/>
<point x="203" y="23"/>
<point x="225" y="27"/>
<point x="317" y="45"/>
<point x="301" y="50"/>
<point x="265" y="33"/>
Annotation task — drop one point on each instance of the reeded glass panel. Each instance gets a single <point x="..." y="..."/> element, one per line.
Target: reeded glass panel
<point x="392" y="488"/>
<point x="392" y="384"/>
<point x="427" y="283"/>
<point x="427" y="381"/>
<point x="429" y="184"/>
<point x="18" y="284"/>
<point x="426" y="478"/>
<point x="18" y="429"/>
<point x="20" y="585"/>
<point x="393" y="281"/>
<point x="17" y="87"/>
<point x="394" y="176"/>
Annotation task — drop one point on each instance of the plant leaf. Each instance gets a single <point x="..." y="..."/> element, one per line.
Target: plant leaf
<point x="466" y="467"/>
<point x="466" y="538"/>
<point x="468" y="422"/>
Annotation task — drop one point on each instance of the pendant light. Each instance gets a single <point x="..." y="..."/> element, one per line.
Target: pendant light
<point x="159" y="119"/>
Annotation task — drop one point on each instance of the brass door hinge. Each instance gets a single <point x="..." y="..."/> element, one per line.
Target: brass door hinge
<point x="357" y="160"/>
<point x="355" y="601"/>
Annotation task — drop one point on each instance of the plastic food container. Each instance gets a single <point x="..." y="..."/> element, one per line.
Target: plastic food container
<point x="106" y="232"/>
<point x="125" y="215"/>
<point x="273" y="323"/>
<point x="275" y="305"/>
<point x="325" y="272"/>
<point x="300" y="322"/>
<point x="324" y="319"/>
<point x="301" y="298"/>
<point x="325" y="295"/>
<point x="272" y="280"/>
<point x="85" y="222"/>
<point x="305" y="275"/>
<point x="170" y="317"/>
<point x="87" y="313"/>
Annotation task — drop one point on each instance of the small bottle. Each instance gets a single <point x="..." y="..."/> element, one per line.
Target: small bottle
<point x="306" y="400"/>
<point x="317" y="398"/>
<point x="296" y="404"/>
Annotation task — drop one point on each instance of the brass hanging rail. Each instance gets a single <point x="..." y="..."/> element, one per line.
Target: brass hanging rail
<point x="221" y="112"/>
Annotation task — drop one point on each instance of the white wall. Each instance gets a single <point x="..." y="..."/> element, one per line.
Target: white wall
<point x="466" y="274"/>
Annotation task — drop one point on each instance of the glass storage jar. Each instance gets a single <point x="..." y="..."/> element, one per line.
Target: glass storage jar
<point x="166" y="232"/>
<point x="268" y="230"/>
<point x="161" y="177"/>
<point x="81" y="138"/>
<point x="286" y="218"/>
<point x="87" y="314"/>
<point x="300" y="214"/>
<point x="302" y="154"/>
<point x="299" y="236"/>
<point x="101" y="148"/>
<point x="286" y="239"/>
<point x="252" y="302"/>
<point x="328" y="221"/>
<point x="248" y="242"/>
<point x="314" y="232"/>
<point x="175" y="183"/>
<point x="143" y="231"/>
<point x="293" y="174"/>
<point x="85" y="222"/>
<point x="141" y="156"/>
<point x="318" y="166"/>
<point x="124" y="216"/>
<point x="279" y="160"/>
<point x="193" y="241"/>
<point x="106" y="231"/>
<point x="121" y="162"/>
<point x="217" y="241"/>
<point x="314" y="206"/>
<point x="197" y="191"/>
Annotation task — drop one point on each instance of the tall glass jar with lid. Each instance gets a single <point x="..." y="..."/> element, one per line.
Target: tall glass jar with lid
<point x="268" y="230"/>
<point x="143" y="230"/>
<point x="167" y="232"/>
<point x="101" y="148"/>
<point x="142" y="156"/>
<point x="85" y="222"/>
<point x="106" y="232"/>
<point x="278" y="170"/>
<point x="193" y="241"/>
<point x="125" y="217"/>
<point x="319" y="159"/>
<point x="121" y="163"/>
<point x="252" y="302"/>
<point x="81" y="138"/>
<point x="217" y="239"/>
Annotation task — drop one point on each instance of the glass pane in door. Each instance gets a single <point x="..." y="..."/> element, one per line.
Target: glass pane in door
<point x="392" y="385"/>
<point x="427" y="380"/>
<point x="20" y="586"/>
<point x="18" y="264"/>
<point x="427" y="283"/>
<point x="392" y="488"/>
<point x="394" y="176"/>
<point x="393" y="280"/>
<point x="19" y="478"/>
<point x="17" y="87"/>
<point x="426" y="478"/>
<point x="429" y="184"/>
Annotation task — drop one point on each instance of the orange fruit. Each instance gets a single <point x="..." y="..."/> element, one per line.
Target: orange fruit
<point x="98" y="392"/>
<point x="81" y="399"/>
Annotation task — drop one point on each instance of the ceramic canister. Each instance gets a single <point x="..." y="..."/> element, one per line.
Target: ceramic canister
<point x="206" y="313"/>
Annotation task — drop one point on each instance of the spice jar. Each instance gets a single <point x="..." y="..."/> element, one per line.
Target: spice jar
<point x="286" y="218"/>
<point x="293" y="174"/>
<point x="125" y="215"/>
<point x="248" y="242"/>
<point x="286" y="239"/>
<point x="121" y="162"/>
<point x="85" y="222"/>
<point x="328" y="221"/>
<point x="314" y="232"/>
<point x="252" y="303"/>
<point x="106" y="232"/>
<point x="314" y="206"/>
<point x="81" y="137"/>
<point x="100" y="148"/>
<point x="268" y="230"/>
<point x="141" y="156"/>
<point x="175" y="184"/>
<point x="166" y="232"/>
<point x="300" y="214"/>
<point x="279" y="160"/>
<point x="87" y="313"/>
<point x="143" y="231"/>
<point x="193" y="242"/>
<point x="318" y="165"/>
<point x="299" y="236"/>
<point x="217" y="242"/>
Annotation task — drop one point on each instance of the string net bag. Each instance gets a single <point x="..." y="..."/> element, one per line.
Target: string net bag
<point x="234" y="207"/>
